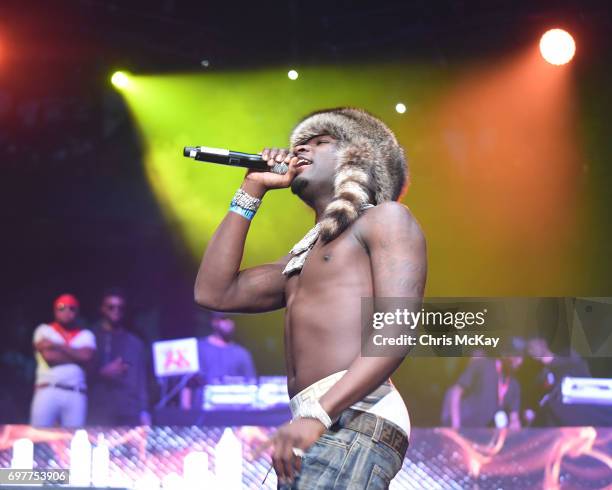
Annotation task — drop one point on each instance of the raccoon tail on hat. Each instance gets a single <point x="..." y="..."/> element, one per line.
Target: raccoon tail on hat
<point x="353" y="189"/>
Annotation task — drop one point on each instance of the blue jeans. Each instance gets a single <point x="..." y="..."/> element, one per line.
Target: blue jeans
<point x="346" y="459"/>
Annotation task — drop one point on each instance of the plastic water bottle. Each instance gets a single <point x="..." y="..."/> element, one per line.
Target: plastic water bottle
<point x="195" y="471"/>
<point x="100" y="462"/>
<point x="80" y="459"/>
<point x="228" y="461"/>
<point x="23" y="455"/>
<point x="172" y="481"/>
<point x="148" y="482"/>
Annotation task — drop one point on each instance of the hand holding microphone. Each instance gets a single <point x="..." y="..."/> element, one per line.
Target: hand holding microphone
<point x="235" y="158"/>
<point x="274" y="168"/>
<point x="273" y="158"/>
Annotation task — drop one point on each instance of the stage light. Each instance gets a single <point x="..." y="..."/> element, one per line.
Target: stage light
<point x="293" y="75"/>
<point x="120" y="79"/>
<point x="400" y="108"/>
<point x="557" y="46"/>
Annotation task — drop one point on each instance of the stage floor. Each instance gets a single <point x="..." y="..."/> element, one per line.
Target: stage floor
<point x="438" y="458"/>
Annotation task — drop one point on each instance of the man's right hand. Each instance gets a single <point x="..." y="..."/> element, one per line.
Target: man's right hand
<point x="114" y="369"/>
<point x="45" y="344"/>
<point x="263" y="181"/>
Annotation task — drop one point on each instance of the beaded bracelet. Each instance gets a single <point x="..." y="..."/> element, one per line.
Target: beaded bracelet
<point x="244" y="204"/>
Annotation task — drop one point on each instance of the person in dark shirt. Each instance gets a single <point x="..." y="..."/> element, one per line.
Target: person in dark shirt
<point x="551" y="411"/>
<point x="220" y="359"/>
<point x="486" y="395"/>
<point x="119" y="382"/>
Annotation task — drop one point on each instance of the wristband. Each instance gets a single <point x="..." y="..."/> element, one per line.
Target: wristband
<point x="314" y="410"/>
<point x="245" y="213"/>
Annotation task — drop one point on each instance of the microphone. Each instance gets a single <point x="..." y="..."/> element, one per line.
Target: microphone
<point x="233" y="159"/>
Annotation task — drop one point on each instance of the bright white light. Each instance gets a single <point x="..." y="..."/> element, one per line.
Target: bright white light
<point x="400" y="108"/>
<point x="120" y="79"/>
<point x="293" y="75"/>
<point x="557" y="46"/>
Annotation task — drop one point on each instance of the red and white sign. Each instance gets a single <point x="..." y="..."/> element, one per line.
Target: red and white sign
<point x="175" y="357"/>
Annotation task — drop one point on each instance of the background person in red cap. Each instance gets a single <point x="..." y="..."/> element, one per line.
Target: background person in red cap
<point x="62" y="352"/>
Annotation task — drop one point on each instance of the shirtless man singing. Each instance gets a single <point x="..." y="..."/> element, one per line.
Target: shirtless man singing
<point x="350" y="427"/>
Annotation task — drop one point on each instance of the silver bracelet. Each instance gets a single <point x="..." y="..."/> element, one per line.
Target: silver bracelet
<point x="245" y="201"/>
<point x="314" y="410"/>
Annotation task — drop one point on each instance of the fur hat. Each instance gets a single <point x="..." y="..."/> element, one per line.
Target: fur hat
<point x="371" y="167"/>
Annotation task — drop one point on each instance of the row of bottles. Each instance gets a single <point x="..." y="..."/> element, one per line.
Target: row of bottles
<point x="91" y="466"/>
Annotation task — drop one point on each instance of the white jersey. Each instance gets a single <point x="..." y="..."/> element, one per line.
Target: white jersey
<point x="70" y="374"/>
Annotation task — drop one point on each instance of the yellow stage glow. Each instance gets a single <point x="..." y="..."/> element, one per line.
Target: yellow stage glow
<point x="493" y="158"/>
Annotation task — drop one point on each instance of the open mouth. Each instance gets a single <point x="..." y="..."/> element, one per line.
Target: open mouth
<point x="302" y="162"/>
<point x="302" y="165"/>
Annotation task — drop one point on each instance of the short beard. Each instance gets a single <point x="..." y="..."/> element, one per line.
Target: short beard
<point x="298" y="186"/>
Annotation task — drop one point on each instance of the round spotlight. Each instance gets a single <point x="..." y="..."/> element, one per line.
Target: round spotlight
<point x="120" y="79"/>
<point x="293" y="75"/>
<point x="557" y="46"/>
<point x="400" y="108"/>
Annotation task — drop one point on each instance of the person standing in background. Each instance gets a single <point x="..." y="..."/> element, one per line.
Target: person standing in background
<point x="63" y="352"/>
<point x="486" y="394"/>
<point x="119" y="380"/>
<point x="220" y="358"/>
<point x="550" y="410"/>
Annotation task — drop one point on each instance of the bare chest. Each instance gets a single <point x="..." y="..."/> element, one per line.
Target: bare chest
<point x="343" y="263"/>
